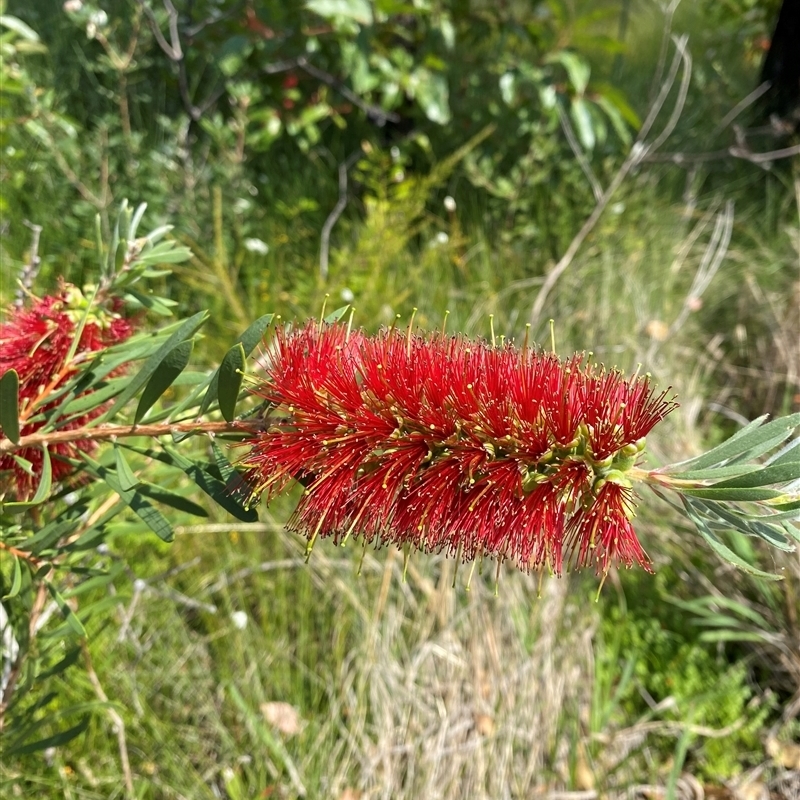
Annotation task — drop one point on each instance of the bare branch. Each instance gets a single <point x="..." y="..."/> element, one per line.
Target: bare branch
<point x="634" y="158"/>
<point x="375" y="113"/>
<point x="566" y="126"/>
<point x="341" y="204"/>
<point x="743" y="104"/>
<point x="29" y="272"/>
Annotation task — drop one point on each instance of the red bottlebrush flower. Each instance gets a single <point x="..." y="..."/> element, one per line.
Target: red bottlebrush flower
<point x="440" y="443"/>
<point x="36" y="342"/>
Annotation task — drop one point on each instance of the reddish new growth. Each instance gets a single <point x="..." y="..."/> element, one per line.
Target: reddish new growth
<point x="36" y="340"/>
<point x="441" y="443"/>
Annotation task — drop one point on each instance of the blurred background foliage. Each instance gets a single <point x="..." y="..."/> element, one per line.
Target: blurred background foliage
<point x="439" y="154"/>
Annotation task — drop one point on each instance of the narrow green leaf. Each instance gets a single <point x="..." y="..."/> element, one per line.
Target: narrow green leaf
<point x="723" y="551"/>
<point x="717" y="473"/>
<point x="134" y="499"/>
<point x="777" y="473"/>
<point x="728" y="519"/>
<point x="22" y="463"/>
<point x="69" y="615"/>
<point x="158" y="305"/>
<point x="69" y="659"/>
<point x="248" y="340"/>
<point x="64" y="525"/>
<point x="56" y="740"/>
<point x="176" y="501"/>
<point x="723" y="451"/>
<point x="46" y="481"/>
<point x="164" y="374"/>
<point x="224" y="466"/>
<point x="742" y="495"/>
<point x="785" y="453"/>
<point x="182" y="332"/>
<point x="9" y="405"/>
<point x="733" y="636"/>
<point x="223" y="493"/>
<point x="231" y="373"/>
<point x="127" y="480"/>
<point x="16" y="579"/>
<point x="336" y="315"/>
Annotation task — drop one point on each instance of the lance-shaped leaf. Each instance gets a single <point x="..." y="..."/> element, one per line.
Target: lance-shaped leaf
<point x="222" y="491"/>
<point x="777" y="473"/>
<point x="56" y="740"/>
<point x="248" y="341"/>
<point x="746" y="442"/>
<point x="231" y="373"/>
<point x="133" y="498"/>
<point x="42" y="490"/>
<point x="184" y="331"/>
<point x="69" y="615"/>
<point x="164" y="375"/>
<point x="9" y="405"/>
<point x="722" y="549"/>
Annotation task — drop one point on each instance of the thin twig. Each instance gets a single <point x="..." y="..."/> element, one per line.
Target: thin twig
<point x="341" y="204"/>
<point x="102" y="433"/>
<point x="29" y="272"/>
<point x="743" y="104"/>
<point x="718" y="155"/>
<point x="566" y="126"/>
<point x="375" y="113"/>
<point x="116" y="720"/>
<point x="635" y="156"/>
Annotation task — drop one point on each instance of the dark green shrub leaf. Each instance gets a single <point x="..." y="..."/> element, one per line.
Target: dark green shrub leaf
<point x="231" y="373"/>
<point x="182" y="332"/>
<point x="248" y="340"/>
<point x="9" y="405"/>
<point x="16" y="579"/>
<point x="69" y="615"/>
<point x="57" y="740"/>
<point x="164" y="374"/>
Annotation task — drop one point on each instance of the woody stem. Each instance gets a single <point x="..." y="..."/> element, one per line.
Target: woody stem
<point x="105" y="432"/>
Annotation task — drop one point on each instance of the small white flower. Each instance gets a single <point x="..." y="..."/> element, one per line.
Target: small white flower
<point x="347" y="295"/>
<point x="99" y="18"/>
<point x="442" y="238"/>
<point x="617" y="208"/>
<point x="139" y="585"/>
<point x="395" y="153"/>
<point x="239" y="620"/>
<point x="449" y="204"/>
<point x="256" y="246"/>
<point x="73" y="6"/>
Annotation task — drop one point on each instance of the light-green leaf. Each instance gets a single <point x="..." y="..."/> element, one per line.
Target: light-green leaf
<point x="9" y="405"/>
<point x="164" y="374"/>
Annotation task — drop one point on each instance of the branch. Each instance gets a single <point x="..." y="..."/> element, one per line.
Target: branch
<point x="106" y="432"/>
<point x="375" y="113"/>
<point x="29" y="272"/>
<point x="635" y="157"/>
<point x="341" y="204"/>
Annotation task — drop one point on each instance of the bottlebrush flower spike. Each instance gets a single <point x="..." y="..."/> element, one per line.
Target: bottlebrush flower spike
<point x="37" y="341"/>
<point x="443" y="444"/>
